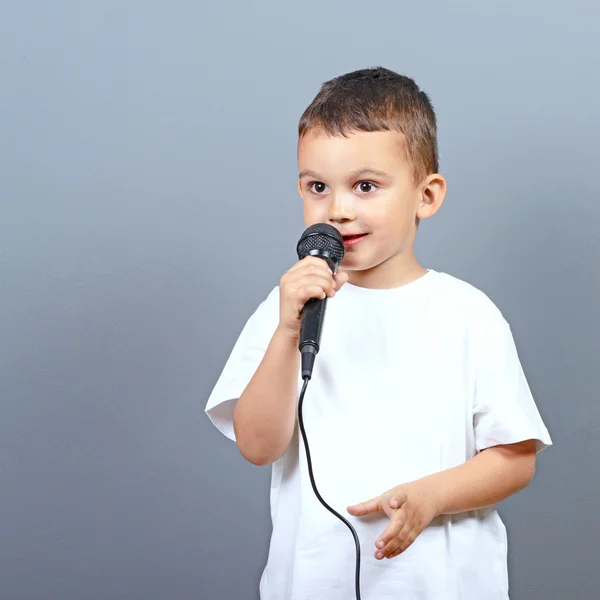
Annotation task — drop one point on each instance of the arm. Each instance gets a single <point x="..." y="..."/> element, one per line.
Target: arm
<point x="265" y="414"/>
<point x="484" y="480"/>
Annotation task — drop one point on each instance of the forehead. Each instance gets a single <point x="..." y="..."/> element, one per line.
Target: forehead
<point x="384" y="150"/>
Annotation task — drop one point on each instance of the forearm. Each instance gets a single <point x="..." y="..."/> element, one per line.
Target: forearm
<point x="484" y="480"/>
<point x="264" y="415"/>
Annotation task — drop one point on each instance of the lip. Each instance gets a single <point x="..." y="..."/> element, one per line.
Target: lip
<point x="354" y="239"/>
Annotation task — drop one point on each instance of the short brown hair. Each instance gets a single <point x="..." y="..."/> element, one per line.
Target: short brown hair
<point x="377" y="99"/>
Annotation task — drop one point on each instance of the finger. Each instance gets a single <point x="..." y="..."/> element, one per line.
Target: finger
<point x="298" y="290"/>
<point x="390" y="549"/>
<point x="398" y="542"/>
<point x="340" y="278"/>
<point x="396" y="500"/>
<point x="323" y="280"/>
<point x="407" y="544"/>
<point x="317" y="283"/>
<point x="307" y="271"/>
<point x="309" y="260"/>
<point x="302" y="276"/>
<point x="312" y="274"/>
<point x="392" y="501"/>
<point x="365" y="508"/>
<point x="311" y="291"/>
<point x="397" y="522"/>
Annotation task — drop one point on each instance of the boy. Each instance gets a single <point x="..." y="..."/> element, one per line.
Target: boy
<point x="418" y="415"/>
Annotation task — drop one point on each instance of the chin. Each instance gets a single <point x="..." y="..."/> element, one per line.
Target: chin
<point x="358" y="266"/>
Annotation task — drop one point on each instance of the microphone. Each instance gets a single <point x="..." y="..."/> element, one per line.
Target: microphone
<point x="326" y="242"/>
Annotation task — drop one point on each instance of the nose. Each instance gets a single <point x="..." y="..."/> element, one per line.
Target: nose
<point x="341" y="209"/>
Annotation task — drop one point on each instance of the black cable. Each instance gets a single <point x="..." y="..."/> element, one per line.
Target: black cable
<point x="312" y="481"/>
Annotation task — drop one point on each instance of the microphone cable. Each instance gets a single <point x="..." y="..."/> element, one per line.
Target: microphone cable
<point x="318" y="495"/>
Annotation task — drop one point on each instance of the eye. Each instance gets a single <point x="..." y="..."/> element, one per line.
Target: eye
<point x="317" y="187"/>
<point x="366" y="186"/>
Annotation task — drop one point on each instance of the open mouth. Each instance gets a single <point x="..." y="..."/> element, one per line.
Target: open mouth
<point x="352" y="240"/>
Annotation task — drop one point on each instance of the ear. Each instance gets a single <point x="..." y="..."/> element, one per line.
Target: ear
<point x="433" y="192"/>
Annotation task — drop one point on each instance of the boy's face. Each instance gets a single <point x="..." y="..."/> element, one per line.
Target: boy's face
<point x="363" y="185"/>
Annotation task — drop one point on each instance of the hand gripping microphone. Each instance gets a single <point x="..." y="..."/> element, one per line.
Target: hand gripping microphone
<point x="326" y="242"/>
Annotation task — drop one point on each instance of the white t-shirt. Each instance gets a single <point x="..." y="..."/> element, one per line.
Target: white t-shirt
<point x="409" y="381"/>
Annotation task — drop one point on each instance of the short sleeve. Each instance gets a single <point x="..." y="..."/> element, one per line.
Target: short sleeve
<point x="242" y="363"/>
<point x="504" y="410"/>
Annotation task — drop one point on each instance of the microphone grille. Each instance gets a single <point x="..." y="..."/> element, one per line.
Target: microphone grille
<point x="324" y="237"/>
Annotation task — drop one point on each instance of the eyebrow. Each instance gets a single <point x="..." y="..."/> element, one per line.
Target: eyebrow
<point x="354" y="175"/>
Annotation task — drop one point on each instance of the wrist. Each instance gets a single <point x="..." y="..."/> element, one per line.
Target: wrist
<point x="432" y="494"/>
<point x="286" y="341"/>
<point x="287" y="336"/>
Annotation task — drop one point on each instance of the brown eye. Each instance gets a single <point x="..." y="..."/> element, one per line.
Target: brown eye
<point x="317" y="187"/>
<point x="366" y="187"/>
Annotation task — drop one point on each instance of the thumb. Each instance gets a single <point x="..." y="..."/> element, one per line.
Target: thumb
<point x="341" y="277"/>
<point x="365" y="508"/>
<point x="394" y="501"/>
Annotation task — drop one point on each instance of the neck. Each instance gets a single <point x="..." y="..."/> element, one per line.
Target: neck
<point x="397" y="271"/>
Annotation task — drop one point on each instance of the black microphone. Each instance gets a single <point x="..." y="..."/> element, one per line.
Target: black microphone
<point x="326" y="242"/>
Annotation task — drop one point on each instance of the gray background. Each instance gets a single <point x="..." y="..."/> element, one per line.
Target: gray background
<point x="148" y="204"/>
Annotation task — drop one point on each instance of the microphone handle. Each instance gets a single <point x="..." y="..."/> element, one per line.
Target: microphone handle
<point x="311" y="327"/>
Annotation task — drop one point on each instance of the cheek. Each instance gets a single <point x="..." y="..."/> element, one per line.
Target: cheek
<point x="315" y="212"/>
<point x="390" y="216"/>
